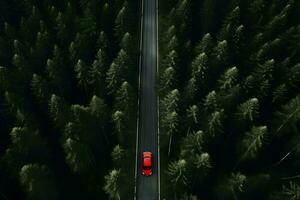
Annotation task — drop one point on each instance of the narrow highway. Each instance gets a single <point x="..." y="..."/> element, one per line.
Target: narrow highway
<point x="147" y="188"/>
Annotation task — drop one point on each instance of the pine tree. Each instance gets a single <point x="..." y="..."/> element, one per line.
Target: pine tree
<point x="88" y="23"/>
<point x="231" y="186"/>
<point x="59" y="111"/>
<point x="293" y="76"/>
<point x="117" y="72"/>
<point x="118" y="155"/>
<point x="182" y="9"/>
<point x="248" y="110"/>
<point x="229" y="79"/>
<point x="40" y="89"/>
<point x="80" y="115"/>
<point x="170" y="124"/>
<point x="262" y="77"/>
<point x="9" y="31"/>
<point x="82" y="75"/>
<point x="171" y="60"/>
<point x="170" y="102"/>
<point x="27" y="146"/>
<point x="177" y="173"/>
<point x="98" y="71"/>
<point x="53" y="12"/>
<point x="106" y="17"/>
<point x="203" y="162"/>
<point x="19" y="108"/>
<point x="215" y="123"/>
<point x="70" y="20"/>
<point x="102" y="42"/>
<point x="81" y="47"/>
<point x="221" y="54"/>
<point x="98" y="109"/>
<point x="255" y="8"/>
<point x="268" y="50"/>
<point x="192" y="115"/>
<point x="30" y="26"/>
<point x="279" y="21"/>
<point x="121" y="27"/>
<point x="112" y="185"/>
<point x="230" y="25"/>
<point x="287" y="118"/>
<point x="167" y="80"/>
<point x="57" y="72"/>
<point x="4" y="77"/>
<point x="119" y="123"/>
<point x="211" y="102"/>
<point x="205" y="45"/>
<point x="238" y="44"/>
<point x="62" y="32"/>
<point x="252" y="142"/>
<point x="4" y="52"/>
<point x="22" y="67"/>
<point x="118" y="5"/>
<point x="191" y="89"/>
<point x="78" y="155"/>
<point x="256" y="42"/>
<point x="19" y="48"/>
<point x="127" y="43"/>
<point x="170" y="33"/>
<point x="125" y="98"/>
<point x="199" y="67"/>
<point x="182" y="16"/>
<point x="236" y="182"/>
<point x="15" y="102"/>
<point x="279" y="94"/>
<point x="199" y="70"/>
<point x="292" y="191"/>
<point x="192" y="144"/>
<point x="113" y="78"/>
<point x="172" y="44"/>
<point x="39" y="182"/>
<point x="42" y="48"/>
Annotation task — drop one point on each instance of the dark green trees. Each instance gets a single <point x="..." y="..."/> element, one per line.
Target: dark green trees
<point x="27" y="146"/>
<point x="116" y="73"/>
<point x="288" y="116"/>
<point x="38" y="182"/>
<point x="237" y="122"/>
<point x="67" y="70"/>
<point x="112" y="184"/>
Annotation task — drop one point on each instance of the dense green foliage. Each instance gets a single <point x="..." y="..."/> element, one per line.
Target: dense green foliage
<point x="230" y="99"/>
<point x="68" y="87"/>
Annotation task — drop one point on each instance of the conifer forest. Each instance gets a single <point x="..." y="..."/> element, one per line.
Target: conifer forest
<point x="230" y="99"/>
<point x="227" y="87"/>
<point x="68" y="92"/>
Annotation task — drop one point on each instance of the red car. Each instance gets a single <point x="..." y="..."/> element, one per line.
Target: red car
<point x="147" y="164"/>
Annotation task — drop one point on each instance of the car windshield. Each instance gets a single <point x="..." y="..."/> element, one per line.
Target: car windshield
<point x="146" y="167"/>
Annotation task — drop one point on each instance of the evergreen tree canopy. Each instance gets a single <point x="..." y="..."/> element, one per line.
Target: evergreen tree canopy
<point x="236" y="67"/>
<point x="37" y="180"/>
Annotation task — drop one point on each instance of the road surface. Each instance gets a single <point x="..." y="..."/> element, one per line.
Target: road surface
<point x="147" y="188"/>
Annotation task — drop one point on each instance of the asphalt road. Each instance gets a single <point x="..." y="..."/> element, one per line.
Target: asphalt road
<point x="147" y="187"/>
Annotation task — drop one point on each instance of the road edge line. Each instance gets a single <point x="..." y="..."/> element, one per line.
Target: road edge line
<point x="158" y="114"/>
<point x="138" y="106"/>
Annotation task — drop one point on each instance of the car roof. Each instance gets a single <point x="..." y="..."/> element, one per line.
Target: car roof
<point x="147" y="162"/>
<point x="147" y="158"/>
<point x="147" y="153"/>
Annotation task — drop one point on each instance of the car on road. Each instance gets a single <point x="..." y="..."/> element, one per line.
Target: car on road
<point x="147" y="163"/>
